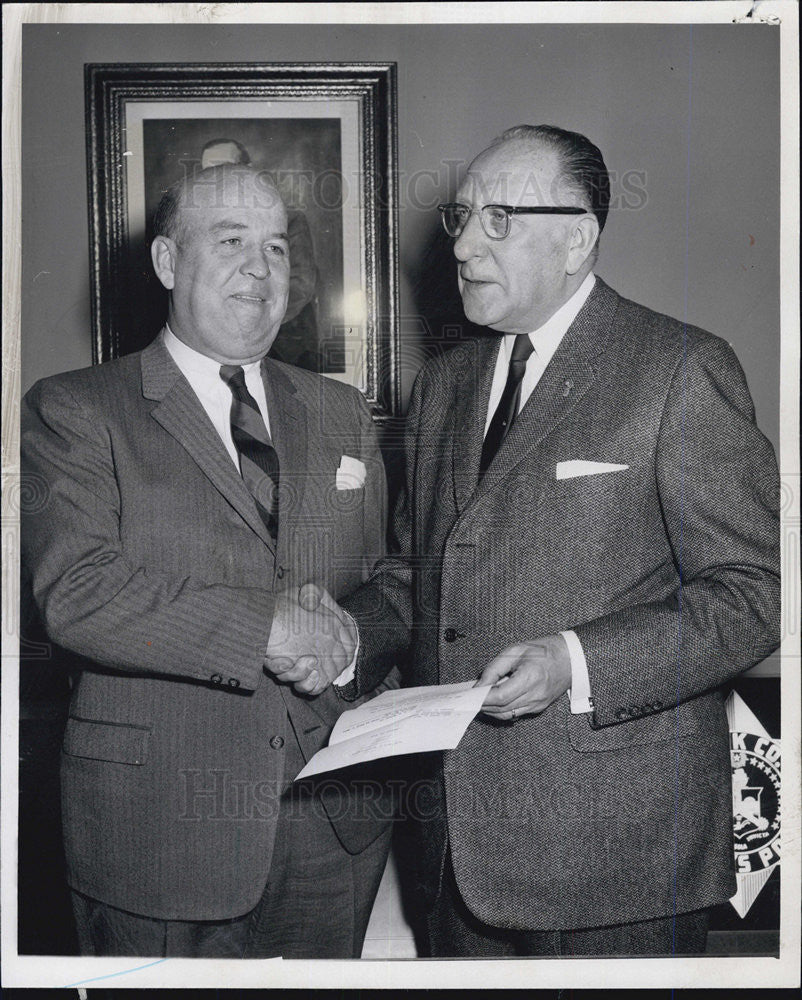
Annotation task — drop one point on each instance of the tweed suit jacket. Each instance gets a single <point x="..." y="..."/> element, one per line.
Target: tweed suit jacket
<point x="668" y="570"/>
<point x="150" y="561"/>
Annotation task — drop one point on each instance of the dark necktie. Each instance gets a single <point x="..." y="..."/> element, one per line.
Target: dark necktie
<point x="507" y="409"/>
<point x="258" y="458"/>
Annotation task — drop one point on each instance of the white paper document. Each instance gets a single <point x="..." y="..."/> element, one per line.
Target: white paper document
<point x="412" y="720"/>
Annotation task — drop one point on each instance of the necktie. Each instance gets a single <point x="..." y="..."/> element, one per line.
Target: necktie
<point x="258" y="458"/>
<point x="507" y="409"/>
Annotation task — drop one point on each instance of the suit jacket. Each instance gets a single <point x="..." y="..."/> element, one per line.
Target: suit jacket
<point x="668" y="570"/>
<point x="149" y="559"/>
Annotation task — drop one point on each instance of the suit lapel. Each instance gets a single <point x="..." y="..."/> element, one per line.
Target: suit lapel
<point x="567" y="377"/>
<point x="472" y="393"/>
<point x="181" y="414"/>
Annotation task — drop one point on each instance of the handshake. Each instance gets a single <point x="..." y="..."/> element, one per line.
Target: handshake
<point x="312" y="640"/>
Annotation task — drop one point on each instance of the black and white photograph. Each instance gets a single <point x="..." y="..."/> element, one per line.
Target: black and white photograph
<point x="400" y="497"/>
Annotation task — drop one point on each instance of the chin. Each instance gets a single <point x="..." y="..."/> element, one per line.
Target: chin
<point x="477" y="315"/>
<point x="262" y="346"/>
<point x="478" y="309"/>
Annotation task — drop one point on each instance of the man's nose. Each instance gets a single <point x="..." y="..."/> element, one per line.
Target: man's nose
<point x="471" y="240"/>
<point x="256" y="264"/>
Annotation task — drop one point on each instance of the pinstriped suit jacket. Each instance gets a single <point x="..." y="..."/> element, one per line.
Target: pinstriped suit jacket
<point x="150" y="560"/>
<point x="668" y="570"/>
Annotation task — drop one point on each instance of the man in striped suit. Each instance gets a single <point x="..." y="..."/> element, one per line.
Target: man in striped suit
<point x="193" y="489"/>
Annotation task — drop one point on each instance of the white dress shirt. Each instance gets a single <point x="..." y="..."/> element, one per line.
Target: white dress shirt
<point x="214" y="395"/>
<point x="545" y="341"/>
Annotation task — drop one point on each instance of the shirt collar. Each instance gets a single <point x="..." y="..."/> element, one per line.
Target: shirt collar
<point x="546" y="339"/>
<point x="193" y="362"/>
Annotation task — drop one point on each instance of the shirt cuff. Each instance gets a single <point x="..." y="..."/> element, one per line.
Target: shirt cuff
<point x="579" y="692"/>
<point x="348" y="674"/>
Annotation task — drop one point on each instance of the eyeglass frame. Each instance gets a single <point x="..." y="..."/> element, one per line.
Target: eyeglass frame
<point x="509" y="210"/>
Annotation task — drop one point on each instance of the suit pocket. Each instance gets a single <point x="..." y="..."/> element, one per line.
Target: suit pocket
<point x="116" y="742"/>
<point x="346" y="501"/>
<point x="592" y="487"/>
<point x="693" y="716"/>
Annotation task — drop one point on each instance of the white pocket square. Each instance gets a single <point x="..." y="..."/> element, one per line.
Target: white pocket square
<point x="578" y="467"/>
<point x="352" y="474"/>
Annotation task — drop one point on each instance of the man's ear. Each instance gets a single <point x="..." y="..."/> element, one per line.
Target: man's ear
<point x="163" y="253"/>
<point x="583" y="240"/>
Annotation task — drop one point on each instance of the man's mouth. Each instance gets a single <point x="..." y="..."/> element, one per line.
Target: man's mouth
<point x="244" y="297"/>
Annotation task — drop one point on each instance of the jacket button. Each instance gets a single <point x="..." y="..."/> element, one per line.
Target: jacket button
<point x="276" y="742"/>
<point x="657" y="705"/>
<point x="233" y="682"/>
<point x="217" y="678"/>
<point x="280" y="572"/>
<point x="622" y="714"/>
<point x="451" y="634"/>
<point x="635" y="710"/>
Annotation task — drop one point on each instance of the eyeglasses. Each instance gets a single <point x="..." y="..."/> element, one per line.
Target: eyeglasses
<point x="495" y="219"/>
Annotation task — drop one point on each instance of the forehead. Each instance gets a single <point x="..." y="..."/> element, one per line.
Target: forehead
<point x="240" y="195"/>
<point x="513" y="173"/>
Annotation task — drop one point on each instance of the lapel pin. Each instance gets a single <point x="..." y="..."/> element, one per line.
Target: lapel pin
<point x="568" y="387"/>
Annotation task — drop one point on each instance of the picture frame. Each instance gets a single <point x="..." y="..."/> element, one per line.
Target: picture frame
<point x="327" y="133"/>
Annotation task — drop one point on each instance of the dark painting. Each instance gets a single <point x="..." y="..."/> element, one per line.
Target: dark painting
<point x="305" y="158"/>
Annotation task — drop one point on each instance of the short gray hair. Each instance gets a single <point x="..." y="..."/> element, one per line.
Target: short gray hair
<point x="582" y="162"/>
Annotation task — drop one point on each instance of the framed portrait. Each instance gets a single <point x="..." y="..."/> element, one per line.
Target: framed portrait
<point x="326" y="133"/>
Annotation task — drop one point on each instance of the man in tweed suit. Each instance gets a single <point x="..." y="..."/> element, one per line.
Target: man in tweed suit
<point x="156" y="560"/>
<point x="589" y="523"/>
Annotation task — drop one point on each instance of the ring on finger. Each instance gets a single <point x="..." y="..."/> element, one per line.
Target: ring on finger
<point x="513" y="713"/>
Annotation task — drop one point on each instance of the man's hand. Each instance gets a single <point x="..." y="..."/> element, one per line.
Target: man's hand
<point x="312" y="640"/>
<point x="526" y="678"/>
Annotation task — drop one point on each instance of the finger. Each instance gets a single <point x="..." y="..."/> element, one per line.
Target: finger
<point x="299" y="670"/>
<point x="322" y="683"/>
<point x="505" y="694"/>
<point x="325" y="600"/>
<point x="501" y="666"/>
<point x="526" y="704"/>
<point x="519" y="705"/>
<point x="499" y="716"/>
<point x="342" y="616"/>
<point x="278" y="664"/>
<point x="310" y="596"/>
<point x="308" y="684"/>
<point x="505" y="715"/>
<point x="328" y="601"/>
<point x="495" y="709"/>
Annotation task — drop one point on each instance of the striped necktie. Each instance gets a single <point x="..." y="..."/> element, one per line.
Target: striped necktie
<point x="507" y="409"/>
<point x="257" y="456"/>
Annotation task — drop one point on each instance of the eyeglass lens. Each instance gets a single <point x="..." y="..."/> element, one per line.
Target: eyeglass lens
<point x="495" y="221"/>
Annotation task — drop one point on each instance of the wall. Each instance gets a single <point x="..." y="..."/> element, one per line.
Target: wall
<point x="694" y="112"/>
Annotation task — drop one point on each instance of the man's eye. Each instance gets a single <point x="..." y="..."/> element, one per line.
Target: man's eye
<point x="278" y="249"/>
<point x="232" y="241"/>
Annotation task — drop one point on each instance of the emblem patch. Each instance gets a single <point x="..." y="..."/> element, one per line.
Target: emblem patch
<point x="755" y="801"/>
<point x="755" y="760"/>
